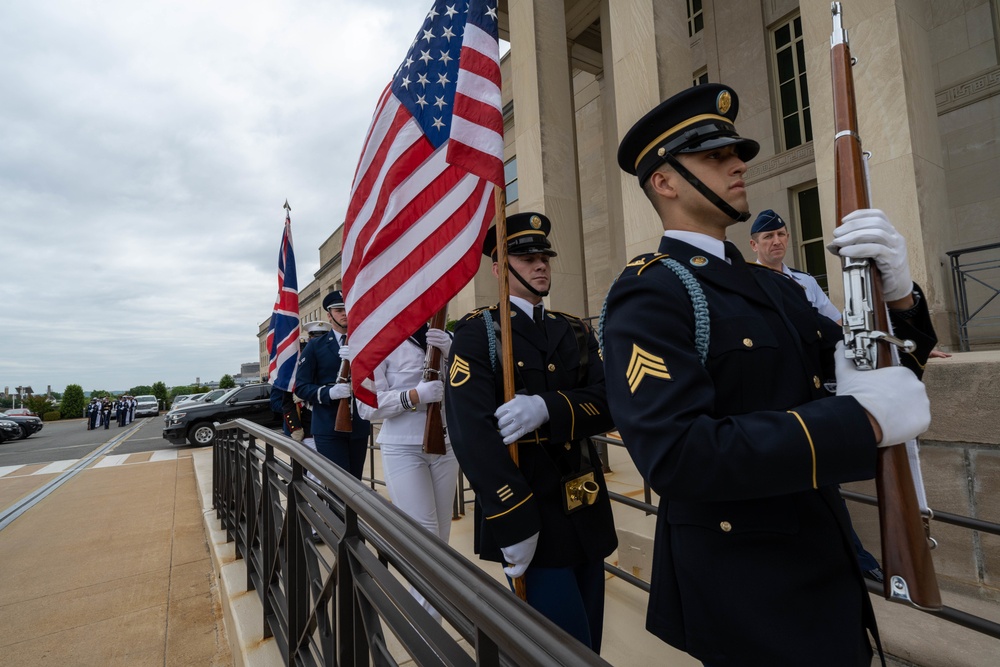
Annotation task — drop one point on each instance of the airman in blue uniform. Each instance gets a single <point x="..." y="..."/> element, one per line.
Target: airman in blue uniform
<point x="718" y="375"/>
<point x="316" y="384"/>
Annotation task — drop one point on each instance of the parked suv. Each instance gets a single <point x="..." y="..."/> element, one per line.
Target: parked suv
<point x="147" y="406"/>
<point x="194" y="421"/>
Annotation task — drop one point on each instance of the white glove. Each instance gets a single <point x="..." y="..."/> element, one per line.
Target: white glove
<point x="430" y="391"/>
<point x="521" y="414"/>
<point x="345" y="352"/>
<point x="298" y="435"/>
<point x="893" y="396"/>
<point x="519" y="556"/>
<point x="340" y="390"/>
<point x="868" y="233"/>
<point x="439" y="339"/>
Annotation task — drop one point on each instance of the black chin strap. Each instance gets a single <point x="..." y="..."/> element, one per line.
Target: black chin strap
<point x="529" y="287"/>
<point x="705" y="190"/>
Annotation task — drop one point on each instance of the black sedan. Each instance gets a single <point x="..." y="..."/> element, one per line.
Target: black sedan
<point x="29" y="425"/>
<point x="9" y="430"/>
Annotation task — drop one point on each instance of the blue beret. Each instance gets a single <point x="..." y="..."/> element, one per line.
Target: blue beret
<point x="767" y="221"/>
<point x="334" y="299"/>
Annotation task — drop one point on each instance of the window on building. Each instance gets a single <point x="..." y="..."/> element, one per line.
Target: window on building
<point x="792" y="88"/>
<point x="700" y="77"/>
<point x="696" y="18"/>
<point x="510" y="179"/>
<point x="811" y="249"/>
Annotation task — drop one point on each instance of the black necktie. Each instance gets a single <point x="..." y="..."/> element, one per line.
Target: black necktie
<point x="343" y="339"/>
<point x="734" y="256"/>
<point x="539" y="316"/>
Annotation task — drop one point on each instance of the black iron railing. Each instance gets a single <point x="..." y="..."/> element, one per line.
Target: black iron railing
<point x="956" y="616"/>
<point x="318" y="545"/>
<point x="975" y="275"/>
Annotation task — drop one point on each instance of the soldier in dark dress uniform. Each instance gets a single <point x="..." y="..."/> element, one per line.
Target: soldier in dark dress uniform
<point x="717" y="373"/>
<point x="316" y="384"/>
<point x="522" y="516"/>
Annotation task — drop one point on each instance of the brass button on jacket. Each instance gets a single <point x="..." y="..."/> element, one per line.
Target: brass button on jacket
<point x="552" y="367"/>
<point x="726" y="526"/>
<point x="747" y="342"/>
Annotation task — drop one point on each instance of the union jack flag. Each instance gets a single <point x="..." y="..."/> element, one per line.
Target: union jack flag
<point x="283" y="332"/>
<point x="422" y="195"/>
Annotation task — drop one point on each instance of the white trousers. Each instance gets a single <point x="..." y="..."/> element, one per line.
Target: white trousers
<point x="422" y="486"/>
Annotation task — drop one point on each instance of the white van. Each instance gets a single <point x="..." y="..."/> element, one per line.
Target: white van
<point x="147" y="406"/>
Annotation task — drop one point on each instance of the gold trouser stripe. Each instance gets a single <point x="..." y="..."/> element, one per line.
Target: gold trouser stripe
<point x="812" y="447"/>
<point x="572" y="415"/>
<point x="512" y="508"/>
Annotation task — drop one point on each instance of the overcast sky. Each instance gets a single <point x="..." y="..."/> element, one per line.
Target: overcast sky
<point x="146" y="150"/>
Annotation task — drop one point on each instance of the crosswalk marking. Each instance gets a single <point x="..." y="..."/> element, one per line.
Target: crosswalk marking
<point x="109" y="461"/>
<point x="56" y="466"/>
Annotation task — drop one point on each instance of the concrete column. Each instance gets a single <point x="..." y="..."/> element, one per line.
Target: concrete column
<point x="646" y="59"/>
<point x="546" y="139"/>
<point x="898" y="124"/>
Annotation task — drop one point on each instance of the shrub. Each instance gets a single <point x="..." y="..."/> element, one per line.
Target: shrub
<point x="51" y="416"/>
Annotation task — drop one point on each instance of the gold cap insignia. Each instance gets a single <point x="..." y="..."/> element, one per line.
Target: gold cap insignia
<point x="699" y="260"/>
<point x="723" y="101"/>
<point x="642" y="364"/>
<point x="536" y="222"/>
<point x="661" y="151"/>
<point x="460" y="372"/>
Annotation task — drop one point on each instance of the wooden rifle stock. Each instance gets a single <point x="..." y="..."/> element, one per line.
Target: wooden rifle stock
<point x="433" y="425"/>
<point x="906" y="557"/>
<point x="345" y="411"/>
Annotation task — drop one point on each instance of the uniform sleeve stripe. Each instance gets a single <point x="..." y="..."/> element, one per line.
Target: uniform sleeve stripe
<point x="572" y="416"/>
<point x="511" y="509"/>
<point x="812" y="447"/>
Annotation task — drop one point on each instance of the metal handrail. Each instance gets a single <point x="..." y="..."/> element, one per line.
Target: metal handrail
<point x="962" y="273"/>
<point x="331" y="602"/>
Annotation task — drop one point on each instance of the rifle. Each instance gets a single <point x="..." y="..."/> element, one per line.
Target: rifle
<point x="345" y="412"/>
<point x="906" y="543"/>
<point x="433" y="425"/>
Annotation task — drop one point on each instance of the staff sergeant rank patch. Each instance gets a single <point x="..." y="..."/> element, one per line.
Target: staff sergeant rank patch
<point x="642" y="364"/>
<point x="460" y="372"/>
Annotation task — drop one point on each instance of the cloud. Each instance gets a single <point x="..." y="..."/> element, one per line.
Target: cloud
<point x="147" y="151"/>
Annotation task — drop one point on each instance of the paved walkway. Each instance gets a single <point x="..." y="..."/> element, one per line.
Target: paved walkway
<point x="112" y="568"/>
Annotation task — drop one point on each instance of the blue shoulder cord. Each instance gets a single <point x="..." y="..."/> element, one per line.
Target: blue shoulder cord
<point x="491" y="336"/>
<point x="698" y="301"/>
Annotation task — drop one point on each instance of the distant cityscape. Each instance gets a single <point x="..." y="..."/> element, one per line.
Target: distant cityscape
<point x="249" y="374"/>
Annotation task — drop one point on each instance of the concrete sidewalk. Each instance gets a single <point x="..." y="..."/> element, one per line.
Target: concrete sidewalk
<point x="112" y="568"/>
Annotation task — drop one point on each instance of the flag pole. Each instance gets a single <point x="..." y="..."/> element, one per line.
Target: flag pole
<point x="506" y="345"/>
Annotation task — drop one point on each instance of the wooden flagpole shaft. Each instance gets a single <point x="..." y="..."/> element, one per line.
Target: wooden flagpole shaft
<point x="506" y="345"/>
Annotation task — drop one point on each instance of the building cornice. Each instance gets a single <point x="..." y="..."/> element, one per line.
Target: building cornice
<point x="972" y="90"/>
<point x="780" y="163"/>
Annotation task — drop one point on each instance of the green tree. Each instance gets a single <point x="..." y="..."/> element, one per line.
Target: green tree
<point x="227" y="382"/>
<point x="73" y="402"/>
<point x="140" y="390"/>
<point x="159" y="390"/>
<point x="39" y="404"/>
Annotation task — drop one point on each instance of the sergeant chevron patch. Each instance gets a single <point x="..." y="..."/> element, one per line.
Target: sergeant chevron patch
<point x="642" y="364"/>
<point x="460" y="372"/>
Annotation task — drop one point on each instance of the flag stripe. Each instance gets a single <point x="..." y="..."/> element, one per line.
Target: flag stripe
<point x="422" y="195"/>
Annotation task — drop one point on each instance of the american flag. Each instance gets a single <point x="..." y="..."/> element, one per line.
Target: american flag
<point x="283" y="332"/>
<point x="422" y="196"/>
